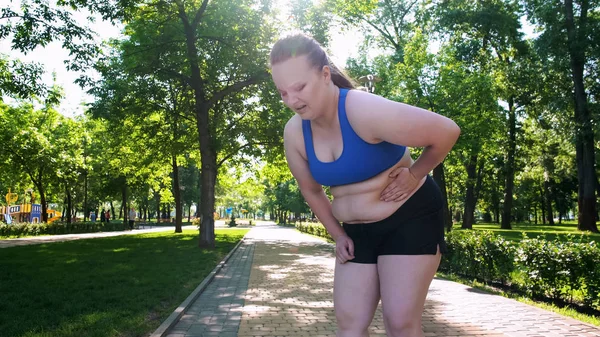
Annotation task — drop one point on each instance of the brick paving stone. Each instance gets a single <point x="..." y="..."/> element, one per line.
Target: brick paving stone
<point x="284" y="287"/>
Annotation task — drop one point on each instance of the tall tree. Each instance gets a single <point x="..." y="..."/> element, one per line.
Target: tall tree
<point x="570" y="31"/>
<point x="492" y="28"/>
<point x="213" y="48"/>
<point x="34" y="147"/>
<point x="69" y="160"/>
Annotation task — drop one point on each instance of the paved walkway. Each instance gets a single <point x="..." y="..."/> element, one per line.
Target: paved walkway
<point x="279" y="283"/>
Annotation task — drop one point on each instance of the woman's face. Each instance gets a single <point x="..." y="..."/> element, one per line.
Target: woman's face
<point x="302" y="87"/>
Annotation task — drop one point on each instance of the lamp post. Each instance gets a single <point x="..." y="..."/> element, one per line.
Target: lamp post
<point x="369" y="82"/>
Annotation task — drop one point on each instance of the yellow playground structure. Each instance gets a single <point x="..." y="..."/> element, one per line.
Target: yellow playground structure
<point x="27" y="212"/>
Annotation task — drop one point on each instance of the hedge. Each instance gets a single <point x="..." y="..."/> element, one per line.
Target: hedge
<point x="27" y="229"/>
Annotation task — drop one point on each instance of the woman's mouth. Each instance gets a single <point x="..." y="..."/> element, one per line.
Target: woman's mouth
<point x="301" y="108"/>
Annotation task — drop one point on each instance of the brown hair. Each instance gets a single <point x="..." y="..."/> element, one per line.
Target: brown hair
<point x="301" y="44"/>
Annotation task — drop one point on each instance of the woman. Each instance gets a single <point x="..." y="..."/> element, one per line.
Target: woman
<point x="391" y="238"/>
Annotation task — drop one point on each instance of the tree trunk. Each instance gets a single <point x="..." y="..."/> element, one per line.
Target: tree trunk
<point x="200" y="198"/>
<point x="469" y="212"/>
<point x="440" y="179"/>
<point x="158" y="215"/>
<point x="43" y="202"/>
<point x="548" y="197"/>
<point x="209" y="176"/>
<point x="202" y="106"/>
<point x="38" y="183"/>
<point x="496" y="199"/>
<point x="69" y="204"/>
<point x="479" y="183"/>
<point x="112" y="210"/>
<point x="510" y="166"/>
<point x="85" y="197"/>
<point x="189" y="213"/>
<point x="543" y="205"/>
<point x="560" y="217"/>
<point x="587" y="192"/>
<point x="586" y="173"/>
<point x="177" y="195"/>
<point x="124" y="203"/>
<point x="44" y="205"/>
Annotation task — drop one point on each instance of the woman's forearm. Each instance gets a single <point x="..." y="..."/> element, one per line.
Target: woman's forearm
<point x="433" y="155"/>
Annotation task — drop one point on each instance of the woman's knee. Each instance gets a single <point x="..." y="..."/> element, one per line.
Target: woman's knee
<point x="403" y="323"/>
<point x="351" y="319"/>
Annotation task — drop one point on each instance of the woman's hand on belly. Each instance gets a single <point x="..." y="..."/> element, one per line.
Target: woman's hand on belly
<point x="402" y="185"/>
<point x="361" y="202"/>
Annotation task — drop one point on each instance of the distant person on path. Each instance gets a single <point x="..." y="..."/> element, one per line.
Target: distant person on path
<point x="131" y="217"/>
<point x="103" y="216"/>
<point x="391" y="236"/>
<point x="108" y="216"/>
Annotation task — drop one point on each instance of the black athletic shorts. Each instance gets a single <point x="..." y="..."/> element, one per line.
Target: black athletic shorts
<point x="416" y="228"/>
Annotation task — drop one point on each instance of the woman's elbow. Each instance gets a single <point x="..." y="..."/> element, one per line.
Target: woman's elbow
<point x="308" y="189"/>
<point x="453" y="131"/>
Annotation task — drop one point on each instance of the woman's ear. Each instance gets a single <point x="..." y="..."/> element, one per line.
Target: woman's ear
<point x="326" y="73"/>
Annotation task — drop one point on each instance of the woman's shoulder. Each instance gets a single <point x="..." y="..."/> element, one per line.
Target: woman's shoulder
<point x="364" y="109"/>
<point x="293" y="136"/>
<point x="293" y="128"/>
<point x="360" y="102"/>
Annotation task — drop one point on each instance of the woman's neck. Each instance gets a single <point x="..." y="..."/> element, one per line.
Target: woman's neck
<point x="329" y="118"/>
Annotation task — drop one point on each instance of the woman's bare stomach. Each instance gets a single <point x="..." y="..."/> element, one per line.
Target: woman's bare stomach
<point x="360" y="203"/>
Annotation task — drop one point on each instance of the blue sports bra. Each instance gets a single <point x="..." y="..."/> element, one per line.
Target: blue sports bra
<point x="359" y="160"/>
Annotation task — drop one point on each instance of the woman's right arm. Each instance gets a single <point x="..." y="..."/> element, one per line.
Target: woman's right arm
<point x="313" y="192"/>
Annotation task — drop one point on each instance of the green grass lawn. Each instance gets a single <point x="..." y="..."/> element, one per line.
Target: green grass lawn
<point x="556" y="232"/>
<point x="118" y="286"/>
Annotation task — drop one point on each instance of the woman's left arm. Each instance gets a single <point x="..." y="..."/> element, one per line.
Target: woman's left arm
<point x="380" y="119"/>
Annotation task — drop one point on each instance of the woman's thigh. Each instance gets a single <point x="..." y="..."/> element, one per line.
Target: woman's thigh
<point x="355" y="294"/>
<point x="404" y="281"/>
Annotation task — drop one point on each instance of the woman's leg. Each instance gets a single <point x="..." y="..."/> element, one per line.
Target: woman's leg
<point x="404" y="282"/>
<point x="355" y="297"/>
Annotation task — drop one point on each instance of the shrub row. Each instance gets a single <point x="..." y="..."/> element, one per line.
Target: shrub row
<point x="566" y="271"/>
<point x="314" y="229"/>
<point x="28" y="229"/>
